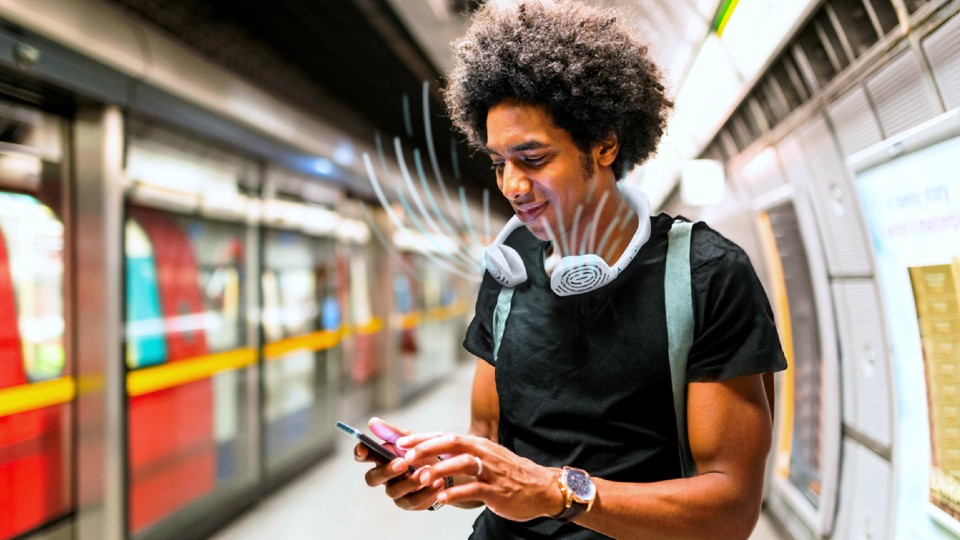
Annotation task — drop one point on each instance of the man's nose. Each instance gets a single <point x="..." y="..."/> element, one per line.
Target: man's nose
<point x="515" y="183"/>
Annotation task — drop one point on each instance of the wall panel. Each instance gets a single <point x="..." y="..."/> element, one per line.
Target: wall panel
<point x="902" y="95"/>
<point x="834" y="203"/>
<point x="941" y="49"/>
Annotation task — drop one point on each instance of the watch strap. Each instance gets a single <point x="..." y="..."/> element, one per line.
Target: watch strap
<point x="571" y="512"/>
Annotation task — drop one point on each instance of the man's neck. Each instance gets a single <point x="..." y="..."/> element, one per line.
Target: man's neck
<point x="606" y="235"/>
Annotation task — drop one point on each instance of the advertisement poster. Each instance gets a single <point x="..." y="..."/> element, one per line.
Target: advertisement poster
<point x="911" y="205"/>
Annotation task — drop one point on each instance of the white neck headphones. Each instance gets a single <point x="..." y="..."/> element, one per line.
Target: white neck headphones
<point x="574" y="274"/>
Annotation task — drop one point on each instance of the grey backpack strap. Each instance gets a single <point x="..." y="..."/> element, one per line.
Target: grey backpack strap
<point x="500" y="314"/>
<point x="678" y="299"/>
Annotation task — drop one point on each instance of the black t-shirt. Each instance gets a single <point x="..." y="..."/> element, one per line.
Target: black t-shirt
<point x="584" y="380"/>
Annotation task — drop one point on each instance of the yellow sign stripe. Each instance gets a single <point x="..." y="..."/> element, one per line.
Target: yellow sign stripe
<point x="30" y="397"/>
<point x="152" y="379"/>
<point x="726" y="17"/>
<point x="316" y="341"/>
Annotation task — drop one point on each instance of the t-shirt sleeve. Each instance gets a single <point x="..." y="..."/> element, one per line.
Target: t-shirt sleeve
<point x="479" y="338"/>
<point x="735" y="332"/>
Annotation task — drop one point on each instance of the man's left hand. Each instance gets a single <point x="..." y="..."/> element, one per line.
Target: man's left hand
<point x="511" y="486"/>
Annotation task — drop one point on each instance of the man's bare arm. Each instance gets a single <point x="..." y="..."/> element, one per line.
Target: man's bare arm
<point x="484" y="402"/>
<point x="729" y="427"/>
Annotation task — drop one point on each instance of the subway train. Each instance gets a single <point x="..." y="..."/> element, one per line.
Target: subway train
<point x="184" y="314"/>
<point x="197" y="277"/>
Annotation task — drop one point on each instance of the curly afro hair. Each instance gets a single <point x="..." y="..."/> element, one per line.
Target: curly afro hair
<point x="579" y="61"/>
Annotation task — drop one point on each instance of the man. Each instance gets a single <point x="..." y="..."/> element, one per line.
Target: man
<point x="573" y="431"/>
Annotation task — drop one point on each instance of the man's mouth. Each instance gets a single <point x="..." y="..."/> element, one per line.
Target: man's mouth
<point x="530" y="212"/>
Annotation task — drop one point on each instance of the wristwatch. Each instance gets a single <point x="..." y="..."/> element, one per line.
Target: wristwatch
<point x="578" y="493"/>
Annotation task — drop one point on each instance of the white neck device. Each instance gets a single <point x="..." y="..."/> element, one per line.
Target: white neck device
<point x="574" y="274"/>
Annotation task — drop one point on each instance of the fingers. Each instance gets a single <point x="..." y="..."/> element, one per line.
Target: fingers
<point x="413" y="439"/>
<point x="449" y="443"/>
<point x="461" y="465"/>
<point x="382" y="474"/>
<point x="360" y="453"/>
<point x="385" y="430"/>
<point x="409" y="493"/>
<point x="471" y="491"/>
<point x="406" y="489"/>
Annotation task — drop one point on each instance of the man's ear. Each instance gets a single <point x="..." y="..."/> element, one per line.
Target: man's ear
<point x="606" y="152"/>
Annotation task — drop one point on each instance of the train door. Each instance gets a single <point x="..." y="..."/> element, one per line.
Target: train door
<point x="190" y="357"/>
<point x="440" y="328"/>
<point x="408" y="312"/>
<point x="37" y="386"/>
<point x="300" y="322"/>
<point x="364" y="300"/>
<point x="428" y="318"/>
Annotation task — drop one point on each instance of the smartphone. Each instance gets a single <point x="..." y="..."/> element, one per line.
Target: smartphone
<point x="381" y="454"/>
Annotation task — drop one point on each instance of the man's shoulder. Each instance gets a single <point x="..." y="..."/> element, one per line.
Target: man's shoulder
<point x="708" y="247"/>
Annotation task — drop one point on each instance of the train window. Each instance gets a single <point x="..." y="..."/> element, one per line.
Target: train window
<point x="818" y="56"/>
<point x="884" y="14"/>
<point x="35" y="441"/>
<point x="34" y="245"/>
<point x="853" y="20"/>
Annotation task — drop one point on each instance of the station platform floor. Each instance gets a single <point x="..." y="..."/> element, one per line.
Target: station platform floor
<point x="332" y="502"/>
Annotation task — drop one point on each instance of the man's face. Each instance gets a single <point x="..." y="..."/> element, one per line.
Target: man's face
<point x="539" y="168"/>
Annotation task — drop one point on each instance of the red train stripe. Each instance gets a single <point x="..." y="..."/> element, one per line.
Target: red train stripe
<point x="11" y="349"/>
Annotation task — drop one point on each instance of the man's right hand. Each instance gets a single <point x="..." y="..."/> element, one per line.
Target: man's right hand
<point x="403" y="487"/>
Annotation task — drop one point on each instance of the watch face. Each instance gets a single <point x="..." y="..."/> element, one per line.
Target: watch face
<point x="580" y="484"/>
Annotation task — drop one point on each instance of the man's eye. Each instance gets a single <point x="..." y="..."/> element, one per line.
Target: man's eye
<point x="535" y="160"/>
<point x="497" y="166"/>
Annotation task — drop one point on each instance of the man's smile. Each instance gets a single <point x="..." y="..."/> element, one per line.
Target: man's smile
<point x="531" y="211"/>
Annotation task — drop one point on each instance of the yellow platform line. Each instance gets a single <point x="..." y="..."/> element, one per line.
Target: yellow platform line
<point x="409" y="320"/>
<point x="152" y="379"/>
<point x="447" y="312"/>
<point x="30" y="397"/>
<point x="316" y="341"/>
<point x="372" y="326"/>
<point x="413" y="319"/>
